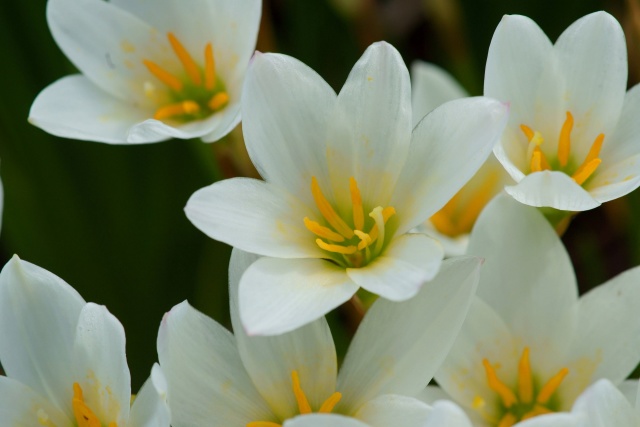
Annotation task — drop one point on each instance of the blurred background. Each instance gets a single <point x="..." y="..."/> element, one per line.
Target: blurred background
<point x="109" y="219"/>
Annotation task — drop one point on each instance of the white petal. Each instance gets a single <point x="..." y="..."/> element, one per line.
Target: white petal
<point x="399" y="272"/>
<point x="447" y="414"/>
<point x="623" y="143"/>
<point x="452" y="246"/>
<point x="447" y="148"/>
<point x="527" y="278"/>
<point x="149" y="409"/>
<point x="552" y="189"/>
<point x="270" y="361"/>
<point x="394" y="410"/>
<point x="286" y="107"/>
<point x="629" y="388"/>
<point x="22" y="407"/>
<point x="207" y="384"/>
<point x="74" y="107"/>
<point x="604" y="405"/>
<point x="38" y="310"/>
<point x="279" y="295"/>
<point x="558" y="419"/>
<point x="431" y="393"/>
<point x="254" y="216"/>
<point x="616" y="180"/>
<point x="101" y="365"/>
<point x="431" y="86"/>
<point x="399" y="346"/>
<point x="371" y="130"/>
<point x="592" y="56"/>
<point x="323" y="420"/>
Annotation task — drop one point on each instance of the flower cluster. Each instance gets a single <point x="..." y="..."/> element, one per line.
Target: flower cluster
<point x="390" y="190"/>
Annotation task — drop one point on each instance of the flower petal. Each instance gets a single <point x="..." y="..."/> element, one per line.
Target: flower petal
<point x="602" y="404"/>
<point x="431" y="86"/>
<point x="399" y="272"/>
<point x="394" y="410"/>
<point x="431" y="393"/>
<point x="270" y="361"/>
<point x="286" y="107"/>
<point x="371" y="130"/>
<point x="447" y="148"/>
<point x="101" y="365"/>
<point x="616" y="180"/>
<point x="399" y="346"/>
<point x="21" y="406"/>
<point x="557" y="419"/>
<point x="623" y="143"/>
<point x="38" y="310"/>
<point x="552" y="189"/>
<point x="323" y="420"/>
<point x="254" y="216"/>
<point x="74" y="107"/>
<point x="149" y="408"/>
<point x="279" y="295"/>
<point x="447" y="414"/>
<point x="206" y="382"/>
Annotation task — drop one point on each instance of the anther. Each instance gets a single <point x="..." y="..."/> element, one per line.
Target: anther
<point x="356" y="199"/>
<point x="303" y="403"/>
<point x="188" y="63"/>
<point x="585" y="171"/>
<point x="507" y="420"/>
<point x="218" y="101"/>
<point x="163" y="75"/>
<point x="344" y="250"/>
<point x="330" y="403"/>
<point x="505" y="393"/>
<point x="564" y="142"/>
<point x="178" y="109"/>
<point x="322" y="231"/>
<point x="328" y="212"/>
<point x="551" y="386"/>
<point x="209" y="68"/>
<point x="525" y="382"/>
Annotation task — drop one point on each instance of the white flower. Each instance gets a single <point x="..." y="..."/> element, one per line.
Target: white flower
<point x="346" y="179"/>
<point x="529" y="345"/>
<point x="151" y="69"/>
<point x="573" y="138"/>
<point x="431" y="86"/>
<point x="216" y="379"/>
<point x="65" y="358"/>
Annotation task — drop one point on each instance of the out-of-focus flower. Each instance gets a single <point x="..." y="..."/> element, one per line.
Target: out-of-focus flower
<point x="216" y="379"/>
<point x="573" y="139"/>
<point x="529" y="345"/>
<point x="431" y="86"/>
<point x="151" y="69"/>
<point x="346" y="179"/>
<point x="65" y="358"/>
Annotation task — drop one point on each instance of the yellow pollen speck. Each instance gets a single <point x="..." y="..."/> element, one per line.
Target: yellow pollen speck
<point x="369" y="78"/>
<point x="478" y="403"/>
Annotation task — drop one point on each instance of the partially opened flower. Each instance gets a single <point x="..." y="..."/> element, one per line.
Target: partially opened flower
<point x="346" y="179"/>
<point x="529" y="345"/>
<point x="431" y="86"/>
<point x="151" y="70"/>
<point x="216" y="379"/>
<point x="65" y="358"/>
<point x="573" y="138"/>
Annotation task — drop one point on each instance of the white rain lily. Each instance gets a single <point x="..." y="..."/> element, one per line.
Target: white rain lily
<point x="529" y="345"/>
<point x="65" y="358"/>
<point x="216" y="379"/>
<point x="431" y="87"/>
<point x="345" y="180"/>
<point x="573" y="138"/>
<point x="151" y="69"/>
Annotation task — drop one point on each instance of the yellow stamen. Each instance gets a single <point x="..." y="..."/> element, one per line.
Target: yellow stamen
<point x="209" y="67"/>
<point x="178" y="109"/>
<point x="163" y="75"/>
<point x="365" y="239"/>
<point x="585" y="171"/>
<point x="188" y="63"/>
<point x="358" y="213"/>
<point x="507" y="420"/>
<point x="525" y="382"/>
<point x="83" y="414"/>
<point x="528" y="132"/>
<point x="477" y="203"/>
<point x="263" y="424"/>
<point x="322" y="231"/>
<point x="537" y="410"/>
<point x="564" y="143"/>
<point x="303" y="403"/>
<point x="218" y="101"/>
<point x="344" y="250"/>
<point x="327" y="211"/>
<point x="330" y="403"/>
<point x="508" y="398"/>
<point x="594" y="151"/>
<point x="387" y="213"/>
<point x="536" y="160"/>
<point x="550" y="387"/>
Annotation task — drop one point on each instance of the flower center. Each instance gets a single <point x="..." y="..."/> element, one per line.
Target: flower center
<point x="529" y="400"/>
<point x="346" y="245"/>
<point x="85" y="417"/>
<point x="197" y="95"/>
<point x="538" y="161"/>
<point x="303" y="403"/>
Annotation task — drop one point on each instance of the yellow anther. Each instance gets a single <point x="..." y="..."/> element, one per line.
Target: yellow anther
<point x="536" y="160"/>
<point x="322" y="231"/>
<point x="163" y="75"/>
<point x="209" y="68"/>
<point x="356" y="199"/>
<point x="218" y="101"/>
<point x="84" y="416"/>
<point x="525" y="381"/>
<point x="178" y="109"/>
<point x="344" y="250"/>
<point x="328" y="212"/>
<point x="507" y="420"/>
<point x="263" y="424"/>
<point x="505" y="393"/>
<point x="537" y="410"/>
<point x="528" y="132"/>
<point x="476" y="203"/>
<point x="365" y="239"/>
<point x="585" y="171"/>
<point x="594" y="151"/>
<point x="551" y="386"/>
<point x="330" y="403"/>
<point x="564" y="142"/>
<point x="188" y="63"/>
<point x="301" y="398"/>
